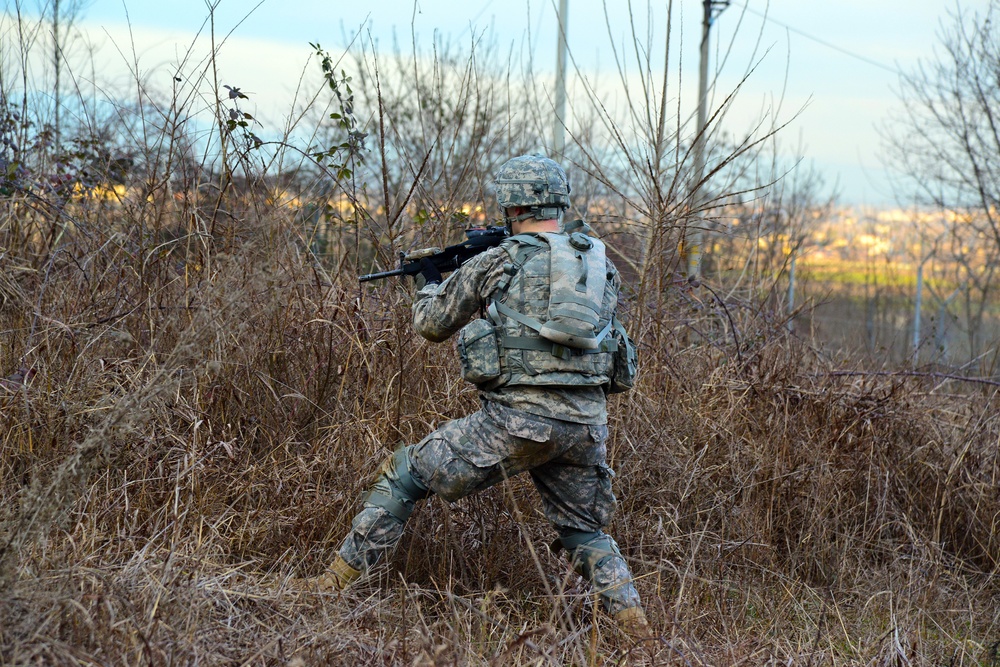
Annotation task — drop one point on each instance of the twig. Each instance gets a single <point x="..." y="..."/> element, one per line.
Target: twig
<point x="945" y="376"/>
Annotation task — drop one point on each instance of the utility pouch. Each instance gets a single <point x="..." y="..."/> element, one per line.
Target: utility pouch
<point x="479" y="352"/>
<point x="626" y="361"/>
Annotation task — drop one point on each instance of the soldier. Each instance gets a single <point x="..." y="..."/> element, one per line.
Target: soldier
<point x="543" y="358"/>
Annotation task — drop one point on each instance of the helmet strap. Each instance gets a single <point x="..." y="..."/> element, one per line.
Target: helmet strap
<point x="509" y="220"/>
<point x="537" y="212"/>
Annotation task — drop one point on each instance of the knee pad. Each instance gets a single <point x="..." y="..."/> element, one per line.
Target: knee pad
<point x="595" y="556"/>
<point x="589" y="552"/>
<point x="396" y="489"/>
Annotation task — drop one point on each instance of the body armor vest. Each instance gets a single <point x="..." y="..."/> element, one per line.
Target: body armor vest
<point x="556" y="285"/>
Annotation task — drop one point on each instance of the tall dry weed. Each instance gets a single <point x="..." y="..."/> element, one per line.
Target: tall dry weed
<point x="204" y="399"/>
<point x="165" y="475"/>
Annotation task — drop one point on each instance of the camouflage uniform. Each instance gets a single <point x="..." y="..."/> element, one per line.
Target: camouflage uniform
<point x="557" y="434"/>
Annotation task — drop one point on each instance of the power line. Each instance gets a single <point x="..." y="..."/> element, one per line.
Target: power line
<point x="475" y="18"/>
<point x="825" y="43"/>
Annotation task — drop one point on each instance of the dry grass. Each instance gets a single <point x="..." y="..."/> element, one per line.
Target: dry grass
<point x="204" y="400"/>
<point x="200" y="424"/>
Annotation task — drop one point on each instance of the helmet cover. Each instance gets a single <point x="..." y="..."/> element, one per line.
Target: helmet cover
<point x="533" y="181"/>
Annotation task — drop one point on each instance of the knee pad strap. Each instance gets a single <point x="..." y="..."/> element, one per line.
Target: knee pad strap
<point x="596" y="558"/>
<point x="414" y="488"/>
<point x="570" y="540"/>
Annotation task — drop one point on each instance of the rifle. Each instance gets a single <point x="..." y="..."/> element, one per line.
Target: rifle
<point x="478" y="239"/>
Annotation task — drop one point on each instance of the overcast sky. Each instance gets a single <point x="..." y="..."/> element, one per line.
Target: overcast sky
<point x="841" y="57"/>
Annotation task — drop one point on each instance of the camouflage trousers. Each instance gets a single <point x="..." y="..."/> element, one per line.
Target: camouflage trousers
<point x="566" y="462"/>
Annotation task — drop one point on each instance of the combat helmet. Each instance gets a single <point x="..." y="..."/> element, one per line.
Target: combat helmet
<point x="534" y="181"/>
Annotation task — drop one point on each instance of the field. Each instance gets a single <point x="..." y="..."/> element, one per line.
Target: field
<point x="195" y="390"/>
<point x="868" y="309"/>
<point x="196" y="425"/>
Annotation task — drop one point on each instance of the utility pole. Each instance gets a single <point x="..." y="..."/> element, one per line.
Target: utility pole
<point x="56" y="61"/>
<point x="918" y="306"/>
<point x="693" y="238"/>
<point x="558" y="128"/>
<point x="791" y="292"/>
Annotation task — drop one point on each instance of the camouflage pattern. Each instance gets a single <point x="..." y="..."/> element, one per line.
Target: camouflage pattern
<point x="557" y="434"/>
<point x="600" y="562"/>
<point x="374" y="532"/>
<point x="531" y="180"/>
<point x="566" y="462"/>
<point x="578" y="297"/>
<point x="441" y="310"/>
<point x="529" y="295"/>
<point x="478" y="352"/>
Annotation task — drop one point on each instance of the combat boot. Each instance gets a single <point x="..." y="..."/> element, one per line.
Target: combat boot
<point x="337" y="577"/>
<point x="632" y="621"/>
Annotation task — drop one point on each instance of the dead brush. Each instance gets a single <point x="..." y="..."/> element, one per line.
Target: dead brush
<point x="762" y="499"/>
<point x="825" y="469"/>
<point x="210" y="400"/>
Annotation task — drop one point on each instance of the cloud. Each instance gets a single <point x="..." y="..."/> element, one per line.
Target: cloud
<point x="268" y="71"/>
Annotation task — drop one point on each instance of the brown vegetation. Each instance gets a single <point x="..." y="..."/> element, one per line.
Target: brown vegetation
<point x="198" y="391"/>
<point x="195" y="434"/>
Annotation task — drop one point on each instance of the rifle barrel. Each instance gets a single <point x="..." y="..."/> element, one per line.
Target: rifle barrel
<point x="378" y="276"/>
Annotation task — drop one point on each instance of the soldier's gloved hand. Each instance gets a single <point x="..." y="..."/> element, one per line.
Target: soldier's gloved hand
<point x="429" y="274"/>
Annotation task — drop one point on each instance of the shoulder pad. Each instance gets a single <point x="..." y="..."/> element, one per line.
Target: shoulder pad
<point x="525" y="239"/>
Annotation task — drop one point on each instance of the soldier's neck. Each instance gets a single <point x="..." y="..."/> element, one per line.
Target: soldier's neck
<point x="532" y="225"/>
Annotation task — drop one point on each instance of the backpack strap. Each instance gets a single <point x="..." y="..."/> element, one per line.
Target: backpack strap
<point x="520" y="247"/>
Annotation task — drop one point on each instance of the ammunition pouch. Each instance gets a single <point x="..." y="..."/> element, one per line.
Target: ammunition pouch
<point x="479" y="352"/>
<point x="626" y="361"/>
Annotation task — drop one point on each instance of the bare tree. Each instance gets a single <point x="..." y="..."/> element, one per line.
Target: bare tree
<point x="769" y="226"/>
<point x="631" y="134"/>
<point x="945" y="145"/>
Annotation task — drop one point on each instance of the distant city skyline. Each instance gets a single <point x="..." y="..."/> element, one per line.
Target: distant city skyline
<point x="837" y="62"/>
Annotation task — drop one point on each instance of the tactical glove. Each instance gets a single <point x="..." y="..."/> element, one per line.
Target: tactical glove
<point x="429" y="273"/>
